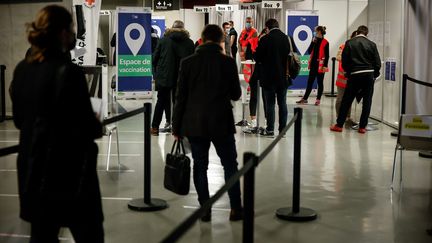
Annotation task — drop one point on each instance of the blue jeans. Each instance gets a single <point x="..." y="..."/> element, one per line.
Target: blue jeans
<point x="226" y="150"/>
<point x="270" y="97"/>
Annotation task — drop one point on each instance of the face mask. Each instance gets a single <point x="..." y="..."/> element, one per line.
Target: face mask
<point x="227" y="31"/>
<point x="314" y="33"/>
<point x="248" y="25"/>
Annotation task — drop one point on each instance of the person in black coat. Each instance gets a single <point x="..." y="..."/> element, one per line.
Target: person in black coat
<point x="171" y="49"/>
<point x="272" y="53"/>
<point x="57" y="178"/>
<point x="208" y="82"/>
<point x="362" y="64"/>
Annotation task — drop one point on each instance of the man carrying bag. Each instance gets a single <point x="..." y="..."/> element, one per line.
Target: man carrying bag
<point x="208" y="81"/>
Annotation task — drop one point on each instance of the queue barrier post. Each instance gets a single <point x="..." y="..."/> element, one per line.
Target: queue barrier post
<point x="2" y="93"/>
<point x="147" y="203"/>
<point x="249" y="198"/>
<point x="296" y="213"/>
<point x="332" y="93"/>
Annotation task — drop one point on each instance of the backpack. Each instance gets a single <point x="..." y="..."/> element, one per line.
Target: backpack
<point x="293" y="64"/>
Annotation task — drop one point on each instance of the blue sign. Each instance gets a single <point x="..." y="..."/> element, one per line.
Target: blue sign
<point x="134" y="52"/>
<point x="158" y="24"/>
<point x="301" y="27"/>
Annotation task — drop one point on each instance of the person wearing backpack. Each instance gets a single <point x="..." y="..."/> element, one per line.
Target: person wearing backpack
<point x="318" y="64"/>
<point x="272" y="52"/>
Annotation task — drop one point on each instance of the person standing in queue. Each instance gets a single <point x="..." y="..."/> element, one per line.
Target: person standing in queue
<point x="318" y="64"/>
<point x="227" y="39"/>
<point x="208" y="82"/>
<point x="57" y="177"/>
<point x="341" y="82"/>
<point x="362" y="64"/>
<point x="272" y="53"/>
<point x="233" y="40"/>
<point x="247" y="35"/>
<point x="171" y="49"/>
<point x="253" y="84"/>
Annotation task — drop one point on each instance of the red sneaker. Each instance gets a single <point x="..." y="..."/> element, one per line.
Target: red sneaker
<point x="335" y="128"/>
<point x="317" y="102"/>
<point x="362" y="130"/>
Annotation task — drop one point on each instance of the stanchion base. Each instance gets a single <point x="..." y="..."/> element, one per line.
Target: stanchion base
<point x="330" y="95"/>
<point x="155" y="204"/>
<point x="305" y="214"/>
<point x="394" y="133"/>
<point x="426" y="154"/>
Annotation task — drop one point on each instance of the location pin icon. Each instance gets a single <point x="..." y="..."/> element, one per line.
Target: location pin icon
<point x="134" y="44"/>
<point x="302" y="45"/>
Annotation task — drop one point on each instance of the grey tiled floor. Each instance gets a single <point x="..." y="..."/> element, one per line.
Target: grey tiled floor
<point x="345" y="178"/>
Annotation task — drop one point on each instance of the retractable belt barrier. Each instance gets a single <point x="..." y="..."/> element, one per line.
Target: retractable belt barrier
<point x="251" y="161"/>
<point x="14" y="149"/>
<point x="2" y="93"/>
<point x="332" y="93"/>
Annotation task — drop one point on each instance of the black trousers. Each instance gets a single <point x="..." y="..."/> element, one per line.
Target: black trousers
<point x="165" y="97"/>
<point x="253" y="84"/>
<point x="82" y="232"/>
<point x="311" y="79"/>
<point x="359" y="83"/>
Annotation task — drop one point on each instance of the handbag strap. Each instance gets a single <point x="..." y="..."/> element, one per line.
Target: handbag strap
<point x="178" y="146"/>
<point x="173" y="146"/>
<point x="290" y="44"/>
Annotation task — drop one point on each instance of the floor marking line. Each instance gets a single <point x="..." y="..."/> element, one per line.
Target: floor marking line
<point x="103" y="198"/>
<point x="215" y="209"/>
<point x="101" y="170"/>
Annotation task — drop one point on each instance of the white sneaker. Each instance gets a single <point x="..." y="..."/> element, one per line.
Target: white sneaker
<point x="253" y="123"/>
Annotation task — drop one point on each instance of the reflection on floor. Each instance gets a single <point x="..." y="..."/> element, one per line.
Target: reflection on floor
<point x="345" y="178"/>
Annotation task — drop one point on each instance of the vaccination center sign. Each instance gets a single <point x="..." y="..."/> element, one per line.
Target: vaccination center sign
<point x="301" y="25"/>
<point x="134" y="60"/>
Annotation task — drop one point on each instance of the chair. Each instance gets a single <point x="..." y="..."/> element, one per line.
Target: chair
<point x="415" y="135"/>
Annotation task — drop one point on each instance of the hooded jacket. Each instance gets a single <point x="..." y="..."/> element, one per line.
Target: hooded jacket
<point x="171" y="49"/>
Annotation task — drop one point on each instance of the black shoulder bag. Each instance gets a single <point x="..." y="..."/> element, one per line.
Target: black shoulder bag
<point x="177" y="170"/>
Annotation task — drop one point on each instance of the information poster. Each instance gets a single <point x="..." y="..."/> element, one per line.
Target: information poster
<point x="300" y="26"/>
<point x="134" y="62"/>
<point x="158" y="24"/>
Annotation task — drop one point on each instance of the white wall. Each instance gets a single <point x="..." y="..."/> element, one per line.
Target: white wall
<point x="194" y="23"/>
<point x="386" y="30"/>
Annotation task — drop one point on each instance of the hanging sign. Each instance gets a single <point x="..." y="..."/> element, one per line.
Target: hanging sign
<point x="224" y="8"/>
<point x="164" y="5"/>
<point x="201" y="9"/>
<point x="248" y="6"/>
<point x="272" y="4"/>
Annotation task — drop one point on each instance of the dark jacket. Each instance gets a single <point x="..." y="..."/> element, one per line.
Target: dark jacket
<point x="174" y="46"/>
<point x="315" y="47"/>
<point x="272" y="52"/>
<point x="360" y="54"/>
<point x="208" y="81"/>
<point x="57" y="179"/>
